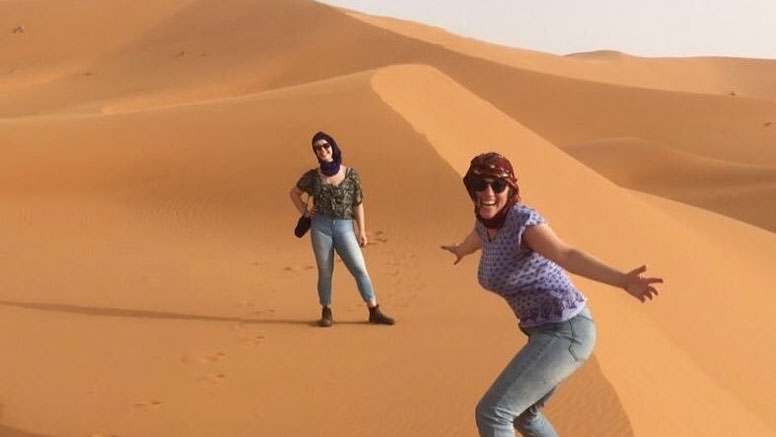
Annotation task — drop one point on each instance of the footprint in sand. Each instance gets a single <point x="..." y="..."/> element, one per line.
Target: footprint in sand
<point x="146" y="405"/>
<point x="380" y="236"/>
<point x="376" y="238"/>
<point x="213" y="378"/>
<point x="213" y="358"/>
<point x="252" y="340"/>
<point x="298" y="268"/>
<point x="259" y="313"/>
<point x="248" y="305"/>
<point x="255" y="340"/>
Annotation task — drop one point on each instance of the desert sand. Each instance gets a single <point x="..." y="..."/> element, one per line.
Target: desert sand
<point x="152" y="286"/>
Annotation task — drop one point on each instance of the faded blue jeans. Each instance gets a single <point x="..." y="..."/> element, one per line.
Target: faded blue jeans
<point x="514" y="401"/>
<point x="327" y="235"/>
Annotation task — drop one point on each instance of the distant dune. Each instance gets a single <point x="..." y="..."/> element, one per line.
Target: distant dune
<point x="705" y="75"/>
<point x="151" y="285"/>
<point x="741" y="191"/>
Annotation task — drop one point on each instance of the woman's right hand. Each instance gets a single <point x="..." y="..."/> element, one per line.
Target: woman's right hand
<point x="455" y="250"/>
<point x="470" y="244"/>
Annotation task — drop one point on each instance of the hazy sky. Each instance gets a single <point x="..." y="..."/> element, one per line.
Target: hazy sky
<point x="744" y="28"/>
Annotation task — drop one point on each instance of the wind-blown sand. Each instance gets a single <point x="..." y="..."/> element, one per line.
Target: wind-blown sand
<point x="151" y="285"/>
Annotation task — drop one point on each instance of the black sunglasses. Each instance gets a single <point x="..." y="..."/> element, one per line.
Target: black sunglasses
<point x="318" y="147"/>
<point x="497" y="185"/>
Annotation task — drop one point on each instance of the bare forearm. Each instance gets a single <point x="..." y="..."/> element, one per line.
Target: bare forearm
<point x="360" y="218"/>
<point x="580" y="263"/>
<point x="296" y="199"/>
<point x="470" y="244"/>
<point x="543" y="240"/>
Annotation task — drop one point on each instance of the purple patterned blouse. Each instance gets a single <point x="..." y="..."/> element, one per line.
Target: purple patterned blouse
<point x="537" y="289"/>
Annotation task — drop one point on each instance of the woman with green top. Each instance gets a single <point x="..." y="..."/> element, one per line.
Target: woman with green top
<point x="337" y="206"/>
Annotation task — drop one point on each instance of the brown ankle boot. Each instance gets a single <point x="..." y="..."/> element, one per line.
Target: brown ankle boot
<point x="326" y="319"/>
<point x="377" y="317"/>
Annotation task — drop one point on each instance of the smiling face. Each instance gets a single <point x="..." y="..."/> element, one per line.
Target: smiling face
<point x="491" y="195"/>
<point x="323" y="150"/>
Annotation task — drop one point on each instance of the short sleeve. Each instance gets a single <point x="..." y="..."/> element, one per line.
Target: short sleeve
<point x="525" y="217"/>
<point x="306" y="182"/>
<point x="533" y="218"/>
<point x="358" y="194"/>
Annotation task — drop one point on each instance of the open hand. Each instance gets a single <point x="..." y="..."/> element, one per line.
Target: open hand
<point x="640" y="286"/>
<point x="455" y="250"/>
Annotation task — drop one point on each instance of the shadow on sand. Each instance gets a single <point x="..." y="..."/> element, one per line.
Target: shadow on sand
<point x="10" y="432"/>
<point x="147" y="314"/>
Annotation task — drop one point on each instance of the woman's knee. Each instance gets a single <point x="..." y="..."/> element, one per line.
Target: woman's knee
<point x="488" y="412"/>
<point x="482" y="411"/>
<point x="527" y="417"/>
<point x="355" y="263"/>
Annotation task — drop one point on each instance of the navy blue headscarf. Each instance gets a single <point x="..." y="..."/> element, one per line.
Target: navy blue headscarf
<point x="333" y="167"/>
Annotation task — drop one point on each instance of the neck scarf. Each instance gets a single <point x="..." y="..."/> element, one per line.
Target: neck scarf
<point x="329" y="168"/>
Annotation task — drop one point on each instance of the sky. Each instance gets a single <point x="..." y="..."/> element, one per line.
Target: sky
<point x="652" y="28"/>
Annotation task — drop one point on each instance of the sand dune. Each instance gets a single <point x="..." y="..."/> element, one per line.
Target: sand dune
<point x="586" y="213"/>
<point x="740" y="191"/>
<point x="720" y="76"/>
<point x="43" y="47"/>
<point x="151" y="285"/>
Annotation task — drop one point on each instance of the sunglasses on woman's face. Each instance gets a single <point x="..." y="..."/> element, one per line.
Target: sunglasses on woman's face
<point x="319" y="147"/>
<point x="497" y="185"/>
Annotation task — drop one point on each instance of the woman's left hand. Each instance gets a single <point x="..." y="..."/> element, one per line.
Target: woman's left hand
<point x="362" y="239"/>
<point x="639" y="286"/>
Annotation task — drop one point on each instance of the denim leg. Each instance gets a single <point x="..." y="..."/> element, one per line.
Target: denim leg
<point x="532" y="422"/>
<point x="347" y="247"/>
<point x="323" y="247"/>
<point x="553" y="352"/>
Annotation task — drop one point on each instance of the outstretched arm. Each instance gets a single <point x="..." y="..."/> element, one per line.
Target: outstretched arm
<point x="543" y="240"/>
<point x="470" y="244"/>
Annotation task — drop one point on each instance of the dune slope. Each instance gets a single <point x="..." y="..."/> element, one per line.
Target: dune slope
<point x="151" y="286"/>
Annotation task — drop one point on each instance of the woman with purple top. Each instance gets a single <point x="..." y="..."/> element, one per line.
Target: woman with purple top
<point x="523" y="261"/>
<point x="337" y="201"/>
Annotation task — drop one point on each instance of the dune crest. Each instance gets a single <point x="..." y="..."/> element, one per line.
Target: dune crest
<point x="741" y="191"/>
<point x="718" y="76"/>
<point x="573" y="212"/>
<point x="151" y="284"/>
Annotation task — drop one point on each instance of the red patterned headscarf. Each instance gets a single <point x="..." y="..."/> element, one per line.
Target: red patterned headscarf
<point x="492" y="165"/>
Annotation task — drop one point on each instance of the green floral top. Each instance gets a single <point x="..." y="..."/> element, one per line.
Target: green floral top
<point x="335" y="201"/>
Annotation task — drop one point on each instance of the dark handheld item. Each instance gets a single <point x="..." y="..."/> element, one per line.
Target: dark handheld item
<point x="304" y="222"/>
<point x="302" y="226"/>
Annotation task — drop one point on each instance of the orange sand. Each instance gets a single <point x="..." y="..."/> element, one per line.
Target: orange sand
<point x="151" y="284"/>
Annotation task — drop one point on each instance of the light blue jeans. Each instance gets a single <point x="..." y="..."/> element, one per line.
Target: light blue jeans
<point x="514" y="401"/>
<point x="327" y="235"/>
